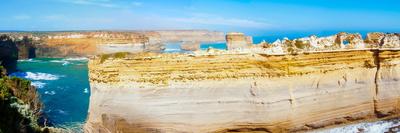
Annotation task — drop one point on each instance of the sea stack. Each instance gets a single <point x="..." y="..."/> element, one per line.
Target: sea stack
<point x="237" y="40"/>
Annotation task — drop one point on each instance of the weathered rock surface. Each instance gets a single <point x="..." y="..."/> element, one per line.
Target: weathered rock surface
<point x="190" y="46"/>
<point x="340" y="41"/>
<point x="236" y="40"/>
<point x="8" y="53"/>
<point x="26" y="48"/>
<point x="76" y="44"/>
<point x="230" y="92"/>
<point x="204" y="36"/>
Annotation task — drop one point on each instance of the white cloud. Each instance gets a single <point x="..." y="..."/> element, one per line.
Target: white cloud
<point x="101" y="3"/>
<point x="22" y="17"/>
<point x="224" y="22"/>
<point x="135" y="3"/>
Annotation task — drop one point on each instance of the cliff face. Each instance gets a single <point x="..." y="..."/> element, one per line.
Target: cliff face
<point x="236" y="40"/>
<point x="241" y="92"/>
<point x="19" y="101"/>
<point x="77" y="44"/>
<point x="8" y="53"/>
<point x="26" y="48"/>
<point x="203" y="36"/>
<point x="90" y="43"/>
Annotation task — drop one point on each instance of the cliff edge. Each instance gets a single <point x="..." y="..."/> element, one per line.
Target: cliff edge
<point x="306" y="85"/>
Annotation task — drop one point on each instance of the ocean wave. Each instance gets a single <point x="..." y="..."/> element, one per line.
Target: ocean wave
<point x="86" y="90"/>
<point x="50" y="92"/>
<point x="41" y="76"/>
<point x="28" y="60"/>
<point x="172" y="50"/>
<point x="77" y="59"/>
<point x="38" y="84"/>
<point x="72" y="127"/>
<point x="36" y="76"/>
<point x="64" y="62"/>
<point x="371" y="127"/>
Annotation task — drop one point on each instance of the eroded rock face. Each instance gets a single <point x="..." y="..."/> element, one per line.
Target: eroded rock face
<point x="340" y="41"/>
<point x="204" y="36"/>
<point x="241" y="92"/>
<point x="235" y="40"/>
<point x="76" y="44"/>
<point x="190" y="46"/>
<point x="391" y="41"/>
<point x="374" y="39"/>
<point x="8" y="53"/>
<point x="26" y="48"/>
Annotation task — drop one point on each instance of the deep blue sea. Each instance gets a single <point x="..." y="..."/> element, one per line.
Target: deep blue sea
<point x="64" y="88"/>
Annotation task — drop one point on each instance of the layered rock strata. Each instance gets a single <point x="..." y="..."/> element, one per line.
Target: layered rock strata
<point x="232" y="92"/>
<point x="190" y="46"/>
<point x="87" y="43"/>
<point x="235" y="40"/>
<point x="204" y="36"/>
<point x="340" y="41"/>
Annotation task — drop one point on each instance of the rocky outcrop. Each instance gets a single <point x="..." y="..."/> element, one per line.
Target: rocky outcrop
<point x="340" y="41"/>
<point x="8" y="53"/>
<point x="190" y="46"/>
<point x="236" y="40"/>
<point x="391" y="41"/>
<point x="374" y="39"/>
<point x="26" y="48"/>
<point x="241" y="92"/>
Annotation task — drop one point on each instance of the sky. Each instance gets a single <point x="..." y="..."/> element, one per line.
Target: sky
<point x="249" y="16"/>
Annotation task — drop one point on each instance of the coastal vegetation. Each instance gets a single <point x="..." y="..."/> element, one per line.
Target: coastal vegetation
<point x="118" y="55"/>
<point x="20" y="107"/>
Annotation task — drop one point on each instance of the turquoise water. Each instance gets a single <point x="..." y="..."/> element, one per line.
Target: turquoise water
<point x="175" y="47"/>
<point x="64" y="88"/>
<point x="205" y="46"/>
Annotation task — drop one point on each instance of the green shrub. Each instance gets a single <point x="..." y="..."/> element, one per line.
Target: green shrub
<point x="119" y="55"/>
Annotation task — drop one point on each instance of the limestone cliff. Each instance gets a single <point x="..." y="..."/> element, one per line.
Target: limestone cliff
<point x="231" y="92"/>
<point x="235" y="40"/>
<point x="203" y="36"/>
<point x="87" y="43"/>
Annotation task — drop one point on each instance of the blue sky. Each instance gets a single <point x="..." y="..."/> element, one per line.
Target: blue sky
<point x="251" y="16"/>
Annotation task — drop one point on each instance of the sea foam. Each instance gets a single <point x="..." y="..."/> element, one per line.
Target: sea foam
<point x="41" y="76"/>
<point x="77" y="59"/>
<point x="36" y="76"/>
<point x="64" y="62"/>
<point x="50" y="92"/>
<point x="28" y="60"/>
<point x="368" y="127"/>
<point x="38" y="84"/>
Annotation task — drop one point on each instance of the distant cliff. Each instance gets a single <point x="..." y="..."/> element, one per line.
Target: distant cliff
<point x="87" y="43"/>
<point x="203" y="36"/>
<point x="287" y="86"/>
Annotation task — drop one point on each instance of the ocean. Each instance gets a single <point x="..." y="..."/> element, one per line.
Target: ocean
<point x="64" y="88"/>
